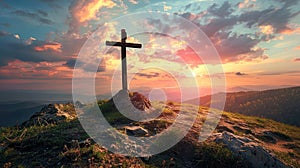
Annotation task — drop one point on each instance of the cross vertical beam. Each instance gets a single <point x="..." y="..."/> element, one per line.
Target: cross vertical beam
<point x="124" y="61"/>
<point x="123" y="46"/>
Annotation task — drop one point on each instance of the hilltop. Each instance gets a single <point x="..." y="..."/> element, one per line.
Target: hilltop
<point x="54" y="137"/>
<point x="278" y="104"/>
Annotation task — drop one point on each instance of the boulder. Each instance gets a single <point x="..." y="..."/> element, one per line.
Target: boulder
<point x="126" y="98"/>
<point x="139" y="101"/>
<point x="52" y="114"/>
<point x="135" y="131"/>
<point x="249" y="150"/>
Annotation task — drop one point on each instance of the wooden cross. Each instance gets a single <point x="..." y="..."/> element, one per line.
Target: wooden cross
<point x="123" y="46"/>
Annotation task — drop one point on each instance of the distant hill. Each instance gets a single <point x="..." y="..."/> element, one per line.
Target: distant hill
<point x="278" y="104"/>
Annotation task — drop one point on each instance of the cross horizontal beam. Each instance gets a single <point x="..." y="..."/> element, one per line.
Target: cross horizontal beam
<point x="131" y="45"/>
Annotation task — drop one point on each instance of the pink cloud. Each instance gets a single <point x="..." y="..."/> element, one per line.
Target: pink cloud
<point x="21" y="69"/>
<point x="189" y="56"/>
<point x="289" y="31"/>
<point x="54" y="46"/>
<point x="297" y="60"/>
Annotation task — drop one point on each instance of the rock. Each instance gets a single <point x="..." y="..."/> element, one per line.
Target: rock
<point x="278" y="135"/>
<point x="246" y="148"/>
<point x="291" y="146"/>
<point x="140" y="101"/>
<point x="266" y="138"/>
<point x="224" y="128"/>
<point x="133" y="106"/>
<point x="241" y="129"/>
<point x="135" y="131"/>
<point x="52" y="114"/>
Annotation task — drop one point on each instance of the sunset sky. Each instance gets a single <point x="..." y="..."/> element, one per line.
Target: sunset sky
<point x="257" y="41"/>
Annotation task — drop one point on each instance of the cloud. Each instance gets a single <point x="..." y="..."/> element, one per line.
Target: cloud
<point x="83" y="11"/>
<point x="3" y="33"/>
<point x="166" y="8"/>
<point x="266" y="29"/>
<point x="18" y="49"/>
<point x="43" y="13"/>
<point x="17" y="36"/>
<point x="133" y="1"/>
<point x="233" y="47"/>
<point x="4" y="5"/>
<point x="217" y="24"/>
<point x="34" y="70"/>
<point x="189" y="56"/>
<point x="33" y="16"/>
<point x="30" y="40"/>
<point x="279" y="73"/>
<point x="71" y="45"/>
<point x="297" y="48"/>
<point x="288" y="3"/>
<point x="148" y="75"/>
<point x="51" y="3"/>
<point x="277" y="18"/>
<point x="54" y="46"/>
<point x="266" y="23"/>
<point x="223" y="11"/>
<point x="246" y="4"/>
<point x="296" y="60"/>
<point x="5" y="24"/>
<point x="240" y="74"/>
<point x="291" y="31"/>
<point x="88" y="67"/>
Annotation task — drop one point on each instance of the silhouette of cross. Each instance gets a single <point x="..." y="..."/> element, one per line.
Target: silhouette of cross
<point x="123" y="46"/>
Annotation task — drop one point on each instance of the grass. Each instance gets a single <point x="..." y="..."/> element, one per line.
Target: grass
<point x="62" y="144"/>
<point x="216" y="155"/>
<point x="25" y="146"/>
<point x="111" y="114"/>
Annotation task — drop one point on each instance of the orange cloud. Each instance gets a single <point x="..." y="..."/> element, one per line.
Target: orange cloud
<point x="291" y="31"/>
<point x="84" y="11"/>
<point x="297" y="59"/>
<point x="246" y="4"/>
<point x="268" y="29"/>
<point x="49" y="46"/>
<point x="21" y="69"/>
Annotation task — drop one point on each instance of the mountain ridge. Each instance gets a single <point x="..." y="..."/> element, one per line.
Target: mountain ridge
<point x="277" y="104"/>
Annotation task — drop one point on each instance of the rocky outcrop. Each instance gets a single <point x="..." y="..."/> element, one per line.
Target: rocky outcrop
<point x="249" y="150"/>
<point x="135" y="131"/>
<point x="126" y="98"/>
<point x="139" y="101"/>
<point x="52" y="114"/>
